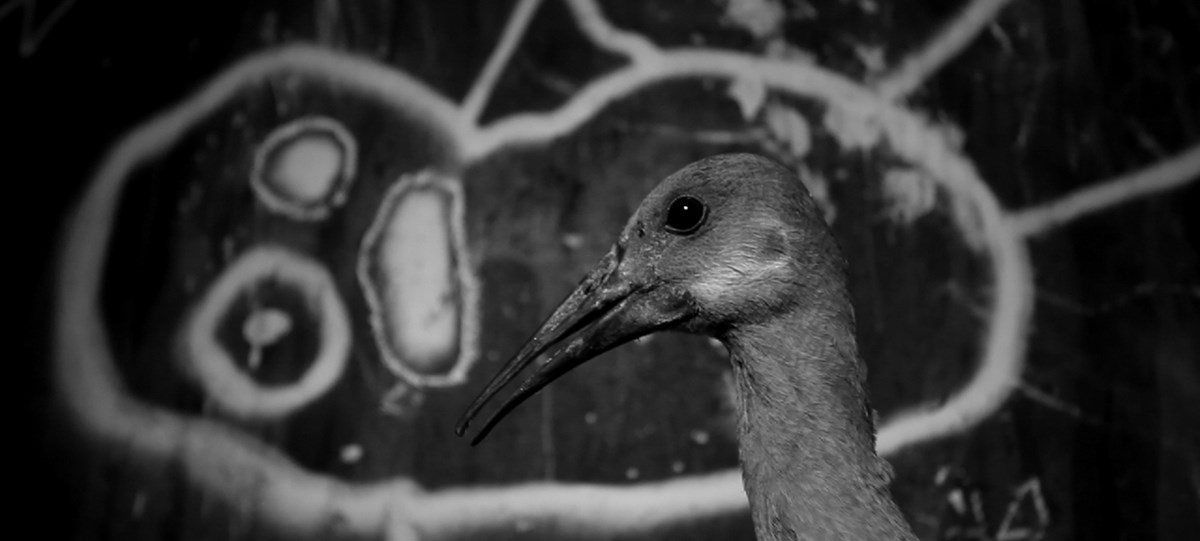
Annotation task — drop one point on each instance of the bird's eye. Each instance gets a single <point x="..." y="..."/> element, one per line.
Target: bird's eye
<point x="685" y="215"/>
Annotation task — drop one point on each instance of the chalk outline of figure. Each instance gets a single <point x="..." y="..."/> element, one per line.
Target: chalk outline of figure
<point x="297" y="500"/>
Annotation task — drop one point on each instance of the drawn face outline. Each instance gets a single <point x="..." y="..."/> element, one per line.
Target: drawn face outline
<point x="76" y="293"/>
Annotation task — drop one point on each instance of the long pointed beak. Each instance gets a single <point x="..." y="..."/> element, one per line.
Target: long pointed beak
<point x="604" y="311"/>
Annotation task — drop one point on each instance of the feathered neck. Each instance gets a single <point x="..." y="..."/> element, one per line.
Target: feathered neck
<point x="806" y="435"/>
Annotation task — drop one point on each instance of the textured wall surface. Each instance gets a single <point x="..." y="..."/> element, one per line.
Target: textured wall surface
<point x="276" y="249"/>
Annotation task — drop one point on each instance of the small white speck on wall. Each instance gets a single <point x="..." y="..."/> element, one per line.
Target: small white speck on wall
<point x="351" y="453"/>
<point x="761" y="18"/>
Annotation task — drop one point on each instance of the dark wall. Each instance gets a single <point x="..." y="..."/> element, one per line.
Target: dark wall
<point x="1099" y="440"/>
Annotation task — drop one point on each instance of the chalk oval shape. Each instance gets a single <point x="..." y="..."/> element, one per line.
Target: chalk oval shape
<point x="304" y="168"/>
<point x="212" y="363"/>
<point x="417" y="283"/>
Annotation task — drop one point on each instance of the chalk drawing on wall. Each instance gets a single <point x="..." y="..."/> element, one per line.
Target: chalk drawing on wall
<point x="36" y="23"/>
<point x="414" y="274"/>
<point x="223" y="460"/>
<point x="1026" y="514"/>
<point x="212" y="364"/>
<point x="304" y="168"/>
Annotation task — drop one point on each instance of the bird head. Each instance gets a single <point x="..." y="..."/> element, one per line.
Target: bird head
<point x="727" y="241"/>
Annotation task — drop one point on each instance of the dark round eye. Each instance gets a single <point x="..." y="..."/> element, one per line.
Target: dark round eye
<point x="685" y="215"/>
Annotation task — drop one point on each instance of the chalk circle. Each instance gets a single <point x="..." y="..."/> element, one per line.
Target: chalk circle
<point x="304" y="168"/>
<point x="415" y="275"/>
<point x="231" y="388"/>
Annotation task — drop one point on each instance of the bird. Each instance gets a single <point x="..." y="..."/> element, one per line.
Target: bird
<point x="733" y="246"/>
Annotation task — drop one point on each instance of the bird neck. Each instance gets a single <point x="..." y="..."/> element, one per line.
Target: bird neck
<point x="806" y="435"/>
